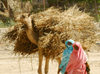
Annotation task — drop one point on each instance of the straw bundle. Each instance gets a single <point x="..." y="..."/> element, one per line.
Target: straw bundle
<point x="70" y="24"/>
<point x="22" y="45"/>
<point x="80" y="26"/>
<point x="55" y="27"/>
<point x="47" y="18"/>
<point x="51" y="45"/>
<point x="12" y="33"/>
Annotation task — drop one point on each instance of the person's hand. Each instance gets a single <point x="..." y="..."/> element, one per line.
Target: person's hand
<point x="59" y="71"/>
<point x="66" y="72"/>
<point x="87" y="68"/>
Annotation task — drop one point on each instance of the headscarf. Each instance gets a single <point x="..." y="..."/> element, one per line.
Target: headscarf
<point x="66" y="55"/>
<point x="77" y="59"/>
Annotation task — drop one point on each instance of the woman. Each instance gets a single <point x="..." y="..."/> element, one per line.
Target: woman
<point x="66" y="55"/>
<point x="76" y="64"/>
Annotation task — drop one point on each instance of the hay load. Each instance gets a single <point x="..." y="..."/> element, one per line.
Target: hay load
<point x="70" y="24"/>
<point x="51" y="45"/>
<point x="55" y="27"/>
<point x="12" y="32"/>
<point x="47" y="18"/>
<point x="22" y="45"/>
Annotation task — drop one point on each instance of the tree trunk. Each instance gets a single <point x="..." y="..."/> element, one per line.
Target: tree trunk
<point x="3" y="8"/>
<point x="44" y="4"/>
<point x="11" y="13"/>
<point x="8" y="11"/>
<point x="5" y="3"/>
<point x="21" y="4"/>
<point x="96" y="9"/>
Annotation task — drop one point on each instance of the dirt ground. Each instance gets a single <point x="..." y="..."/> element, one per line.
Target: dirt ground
<point x="14" y="64"/>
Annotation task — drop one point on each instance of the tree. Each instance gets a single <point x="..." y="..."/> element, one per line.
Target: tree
<point x="7" y="11"/>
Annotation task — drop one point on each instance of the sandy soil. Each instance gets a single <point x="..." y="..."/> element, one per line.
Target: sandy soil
<point x="13" y="64"/>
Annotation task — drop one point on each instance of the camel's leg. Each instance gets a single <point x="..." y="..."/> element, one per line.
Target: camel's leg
<point x="47" y="65"/>
<point x="31" y="62"/>
<point x="40" y="62"/>
<point x="59" y="62"/>
<point x="19" y="64"/>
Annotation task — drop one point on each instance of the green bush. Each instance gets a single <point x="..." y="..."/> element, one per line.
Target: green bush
<point x="7" y="23"/>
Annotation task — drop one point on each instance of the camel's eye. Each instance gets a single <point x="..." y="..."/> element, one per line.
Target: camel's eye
<point x="23" y="16"/>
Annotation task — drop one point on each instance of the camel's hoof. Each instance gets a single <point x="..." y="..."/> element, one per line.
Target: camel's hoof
<point x="46" y="72"/>
<point x="39" y="71"/>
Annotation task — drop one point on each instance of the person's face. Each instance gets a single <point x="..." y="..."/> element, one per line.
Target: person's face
<point x="69" y="43"/>
<point x="76" y="47"/>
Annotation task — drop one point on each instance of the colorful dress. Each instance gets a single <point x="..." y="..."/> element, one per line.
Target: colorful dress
<point x="66" y="55"/>
<point x="76" y="64"/>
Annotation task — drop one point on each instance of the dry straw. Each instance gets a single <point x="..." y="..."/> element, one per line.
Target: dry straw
<point x="55" y="27"/>
<point x="70" y="24"/>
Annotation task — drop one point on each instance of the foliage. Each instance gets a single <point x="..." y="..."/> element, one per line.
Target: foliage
<point x="85" y="5"/>
<point x="7" y="23"/>
<point x="26" y="0"/>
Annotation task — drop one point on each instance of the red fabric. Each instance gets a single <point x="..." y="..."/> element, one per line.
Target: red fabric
<point x="76" y="64"/>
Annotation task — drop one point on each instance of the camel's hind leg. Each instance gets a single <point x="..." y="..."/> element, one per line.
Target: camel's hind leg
<point x="47" y="65"/>
<point x="40" y="62"/>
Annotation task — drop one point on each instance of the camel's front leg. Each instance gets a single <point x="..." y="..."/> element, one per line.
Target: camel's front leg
<point x="40" y="62"/>
<point x="47" y="65"/>
<point x="59" y="62"/>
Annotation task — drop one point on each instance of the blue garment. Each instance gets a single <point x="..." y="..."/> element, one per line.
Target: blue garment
<point x="66" y="55"/>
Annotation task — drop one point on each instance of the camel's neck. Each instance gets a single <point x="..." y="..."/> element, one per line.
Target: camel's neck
<point x="32" y="36"/>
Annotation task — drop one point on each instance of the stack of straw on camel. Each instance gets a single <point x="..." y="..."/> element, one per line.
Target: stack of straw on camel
<point x="54" y="27"/>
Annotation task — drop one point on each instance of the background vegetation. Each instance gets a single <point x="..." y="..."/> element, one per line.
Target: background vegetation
<point x="9" y="8"/>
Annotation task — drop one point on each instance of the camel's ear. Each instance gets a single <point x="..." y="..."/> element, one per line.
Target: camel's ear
<point x="32" y="22"/>
<point x="29" y="14"/>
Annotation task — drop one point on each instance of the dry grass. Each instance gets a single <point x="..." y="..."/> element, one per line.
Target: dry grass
<point x="70" y="24"/>
<point x="22" y="44"/>
<point x="55" y="27"/>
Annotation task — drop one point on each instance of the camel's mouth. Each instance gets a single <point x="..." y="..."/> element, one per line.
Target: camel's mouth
<point x="24" y="27"/>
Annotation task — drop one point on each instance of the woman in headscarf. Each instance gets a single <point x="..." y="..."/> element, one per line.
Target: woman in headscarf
<point x="66" y="55"/>
<point x="77" y="61"/>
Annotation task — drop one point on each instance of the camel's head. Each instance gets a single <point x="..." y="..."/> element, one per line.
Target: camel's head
<point x="26" y="19"/>
<point x="28" y="25"/>
<point x="23" y="18"/>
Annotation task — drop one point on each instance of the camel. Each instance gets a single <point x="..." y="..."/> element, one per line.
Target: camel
<point x="28" y="21"/>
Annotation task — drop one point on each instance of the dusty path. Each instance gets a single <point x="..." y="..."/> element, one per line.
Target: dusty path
<point x="10" y="64"/>
<point x="94" y="61"/>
